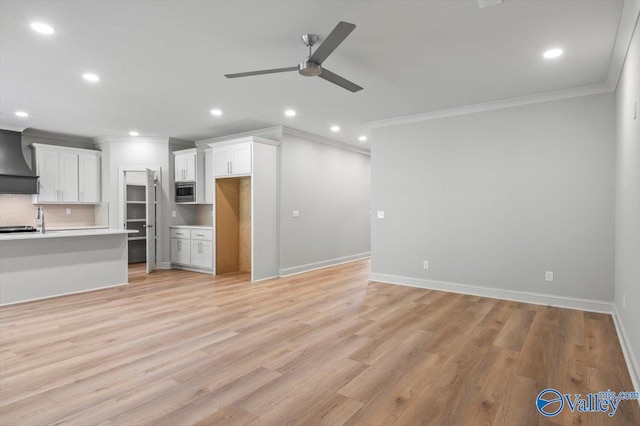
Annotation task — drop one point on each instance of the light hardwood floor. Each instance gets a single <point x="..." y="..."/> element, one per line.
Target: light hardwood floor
<point x="326" y="347"/>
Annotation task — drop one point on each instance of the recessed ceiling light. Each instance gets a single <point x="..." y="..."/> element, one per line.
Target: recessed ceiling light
<point x="553" y="53"/>
<point x="22" y="114"/>
<point x="133" y="133"/>
<point x="41" y="28"/>
<point x="91" y="77"/>
<point x="290" y="113"/>
<point x="216" y="112"/>
<point x="335" y="128"/>
<point x="362" y="138"/>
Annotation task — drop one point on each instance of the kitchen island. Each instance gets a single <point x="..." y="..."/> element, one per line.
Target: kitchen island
<point x="37" y="266"/>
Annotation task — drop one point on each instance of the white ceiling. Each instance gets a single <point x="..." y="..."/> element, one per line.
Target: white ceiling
<point x="162" y="62"/>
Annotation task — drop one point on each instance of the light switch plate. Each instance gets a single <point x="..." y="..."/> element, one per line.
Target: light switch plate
<point x="548" y="276"/>
<point x="68" y="211"/>
<point x="173" y="213"/>
<point x="380" y="214"/>
<point x="296" y="213"/>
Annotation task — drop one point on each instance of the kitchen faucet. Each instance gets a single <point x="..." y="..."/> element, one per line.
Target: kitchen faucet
<point x="40" y="219"/>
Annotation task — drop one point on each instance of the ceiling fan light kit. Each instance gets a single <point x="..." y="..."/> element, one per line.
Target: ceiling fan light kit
<point x="312" y="65"/>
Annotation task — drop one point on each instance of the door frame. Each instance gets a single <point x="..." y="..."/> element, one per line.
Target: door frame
<point x="122" y="194"/>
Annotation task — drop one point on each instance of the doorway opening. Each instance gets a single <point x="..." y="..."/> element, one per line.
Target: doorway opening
<point x="139" y="211"/>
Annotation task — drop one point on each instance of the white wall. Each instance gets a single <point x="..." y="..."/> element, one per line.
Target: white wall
<point x="494" y="199"/>
<point x="331" y="188"/>
<point x="627" y="221"/>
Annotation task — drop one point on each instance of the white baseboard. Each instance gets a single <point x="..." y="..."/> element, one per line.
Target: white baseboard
<point x="190" y="268"/>
<point x="497" y="293"/>
<point x="264" y="279"/>
<point x="285" y="272"/>
<point x="163" y="265"/>
<point x="63" y="294"/>
<point x="627" y="350"/>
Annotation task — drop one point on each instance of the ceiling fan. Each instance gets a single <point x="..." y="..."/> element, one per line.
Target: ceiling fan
<point x="312" y="66"/>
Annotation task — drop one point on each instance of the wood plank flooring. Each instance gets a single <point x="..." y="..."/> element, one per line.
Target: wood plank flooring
<point x="322" y="348"/>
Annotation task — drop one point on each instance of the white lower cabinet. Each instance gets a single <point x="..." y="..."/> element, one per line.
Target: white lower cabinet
<point x="192" y="248"/>
<point x="181" y="251"/>
<point x="202" y="254"/>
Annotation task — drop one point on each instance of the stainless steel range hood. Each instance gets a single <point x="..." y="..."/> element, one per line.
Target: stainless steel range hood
<point x="15" y="175"/>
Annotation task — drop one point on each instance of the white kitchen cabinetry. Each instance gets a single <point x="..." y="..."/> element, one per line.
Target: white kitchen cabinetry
<point x="185" y="165"/>
<point x="89" y="169"/>
<point x="245" y="210"/>
<point x="181" y="251"/>
<point x="192" y="248"/>
<point x="232" y="160"/>
<point x="201" y="248"/>
<point x="189" y="165"/>
<point x="67" y="175"/>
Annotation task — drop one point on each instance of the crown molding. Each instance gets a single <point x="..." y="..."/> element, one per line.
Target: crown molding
<point x="12" y="128"/>
<point x="130" y="139"/>
<point x="626" y="28"/>
<point x="321" y="139"/>
<point x="276" y="130"/>
<point x="500" y="104"/>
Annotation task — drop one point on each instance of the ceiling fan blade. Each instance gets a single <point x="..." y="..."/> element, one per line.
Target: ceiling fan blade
<point x="271" y="71"/>
<point x="333" y="40"/>
<point x="336" y="79"/>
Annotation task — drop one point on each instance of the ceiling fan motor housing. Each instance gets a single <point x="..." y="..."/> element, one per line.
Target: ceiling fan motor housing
<point x="309" y="69"/>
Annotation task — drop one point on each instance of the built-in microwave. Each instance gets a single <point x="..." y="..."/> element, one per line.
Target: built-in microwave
<point x="185" y="192"/>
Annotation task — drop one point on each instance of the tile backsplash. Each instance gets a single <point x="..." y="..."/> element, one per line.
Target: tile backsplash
<point x="18" y="210"/>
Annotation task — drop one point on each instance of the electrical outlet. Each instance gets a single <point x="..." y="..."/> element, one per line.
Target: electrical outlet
<point x="425" y="264"/>
<point x="548" y="276"/>
<point x="173" y="213"/>
<point x="380" y="214"/>
<point x="296" y="213"/>
<point x="624" y="301"/>
<point x="68" y="211"/>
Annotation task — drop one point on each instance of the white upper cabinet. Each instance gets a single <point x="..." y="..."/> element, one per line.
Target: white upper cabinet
<point x="221" y="161"/>
<point x="89" y="170"/>
<point x="68" y="184"/>
<point x="185" y="167"/>
<point x="67" y="175"/>
<point x="232" y="160"/>
<point x="48" y="170"/>
<point x="241" y="159"/>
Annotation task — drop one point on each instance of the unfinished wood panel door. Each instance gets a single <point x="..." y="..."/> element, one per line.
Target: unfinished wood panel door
<point x="245" y="224"/>
<point x="227" y="225"/>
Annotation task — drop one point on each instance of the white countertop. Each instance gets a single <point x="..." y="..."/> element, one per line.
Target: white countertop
<point x="190" y="227"/>
<point x="65" y="234"/>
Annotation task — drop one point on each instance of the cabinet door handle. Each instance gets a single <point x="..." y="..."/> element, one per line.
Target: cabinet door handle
<point x="61" y="195"/>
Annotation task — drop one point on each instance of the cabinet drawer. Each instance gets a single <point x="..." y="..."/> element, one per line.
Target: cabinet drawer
<point x="202" y="234"/>
<point x="180" y="233"/>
